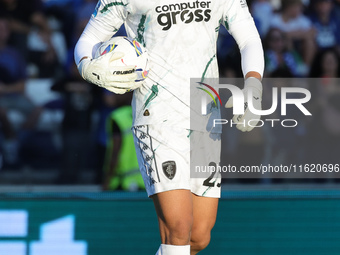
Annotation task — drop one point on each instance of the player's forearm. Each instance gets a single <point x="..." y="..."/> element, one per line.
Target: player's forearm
<point x="252" y="58"/>
<point x="86" y="44"/>
<point x="253" y="74"/>
<point x="91" y="37"/>
<point x="249" y="42"/>
<point x="83" y="50"/>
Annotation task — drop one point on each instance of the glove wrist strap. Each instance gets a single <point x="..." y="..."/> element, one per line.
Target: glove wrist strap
<point x="253" y="83"/>
<point x="81" y="67"/>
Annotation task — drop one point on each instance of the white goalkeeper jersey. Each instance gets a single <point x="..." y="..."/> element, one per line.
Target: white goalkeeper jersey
<point x="180" y="37"/>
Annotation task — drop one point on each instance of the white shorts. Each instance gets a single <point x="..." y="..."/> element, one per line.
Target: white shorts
<point x="167" y="157"/>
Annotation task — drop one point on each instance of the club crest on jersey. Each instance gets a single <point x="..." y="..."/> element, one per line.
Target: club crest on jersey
<point x="169" y="169"/>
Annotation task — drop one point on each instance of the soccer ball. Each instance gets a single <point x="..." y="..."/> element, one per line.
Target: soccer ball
<point x="134" y="54"/>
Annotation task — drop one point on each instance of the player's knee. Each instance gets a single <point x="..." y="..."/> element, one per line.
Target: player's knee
<point x="179" y="231"/>
<point x="199" y="240"/>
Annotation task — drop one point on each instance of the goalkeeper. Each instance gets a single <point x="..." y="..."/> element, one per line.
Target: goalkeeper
<point x="180" y="37"/>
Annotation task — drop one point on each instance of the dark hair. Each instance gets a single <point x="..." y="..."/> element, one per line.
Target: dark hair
<point x="316" y="67"/>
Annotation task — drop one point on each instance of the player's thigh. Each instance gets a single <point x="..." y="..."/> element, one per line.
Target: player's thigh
<point x="175" y="214"/>
<point x="204" y="214"/>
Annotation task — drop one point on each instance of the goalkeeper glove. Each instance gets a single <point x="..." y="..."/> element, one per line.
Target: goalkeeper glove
<point x="254" y="86"/>
<point x="103" y="72"/>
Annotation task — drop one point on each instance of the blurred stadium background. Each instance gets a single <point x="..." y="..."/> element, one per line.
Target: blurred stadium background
<point x="53" y="136"/>
<point x="281" y="221"/>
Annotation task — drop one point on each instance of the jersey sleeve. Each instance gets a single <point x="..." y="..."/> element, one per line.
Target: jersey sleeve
<point x="107" y="18"/>
<point x="235" y="11"/>
<point x="240" y="24"/>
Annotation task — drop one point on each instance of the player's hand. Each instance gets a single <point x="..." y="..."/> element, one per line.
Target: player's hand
<point x="255" y="86"/>
<point x="103" y="72"/>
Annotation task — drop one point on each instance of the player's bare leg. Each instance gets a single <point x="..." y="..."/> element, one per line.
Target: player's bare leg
<point x="204" y="212"/>
<point x="175" y="218"/>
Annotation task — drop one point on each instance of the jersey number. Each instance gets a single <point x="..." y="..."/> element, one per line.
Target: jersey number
<point x="207" y="182"/>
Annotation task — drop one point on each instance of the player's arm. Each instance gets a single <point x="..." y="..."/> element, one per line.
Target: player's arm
<point x="244" y="31"/>
<point x="104" y="23"/>
<point x="254" y="75"/>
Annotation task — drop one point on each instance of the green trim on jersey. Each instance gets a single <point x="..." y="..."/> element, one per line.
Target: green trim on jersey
<point x="107" y="6"/>
<point x="152" y="96"/>
<point x="203" y="194"/>
<point x="189" y="134"/>
<point x="206" y="67"/>
<point x="217" y="29"/>
<point x="226" y="23"/>
<point x="141" y="29"/>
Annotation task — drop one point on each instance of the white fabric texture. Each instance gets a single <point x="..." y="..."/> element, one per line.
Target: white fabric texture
<point x="167" y="249"/>
<point x="180" y="38"/>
